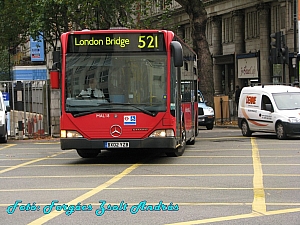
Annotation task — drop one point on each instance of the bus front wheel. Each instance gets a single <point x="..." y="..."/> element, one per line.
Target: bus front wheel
<point x="180" y="149"/>
<point x="88" y="153"/>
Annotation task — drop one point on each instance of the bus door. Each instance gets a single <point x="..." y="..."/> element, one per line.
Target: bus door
<point x="187" y="108"/>
<point x="179" y="109"/>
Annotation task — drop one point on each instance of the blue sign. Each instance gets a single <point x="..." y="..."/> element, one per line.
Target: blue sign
<point x="130" y="120"/>
<point x="31" y="73"/>
<point x="37" y="51"/>
<point x="5" y="96"/>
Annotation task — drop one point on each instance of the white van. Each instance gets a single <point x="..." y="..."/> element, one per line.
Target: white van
<point x="3" y="120"/>
<point x="270" y="108"/>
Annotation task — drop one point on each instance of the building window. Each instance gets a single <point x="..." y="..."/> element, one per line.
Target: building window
<point x="252" y="24"/>
<point x="76" y="81"/>
<point x="278" y="18"/>
<point x="290" y="22"/>
<point x="209" y="32"/>
<point x="227" y="30"/>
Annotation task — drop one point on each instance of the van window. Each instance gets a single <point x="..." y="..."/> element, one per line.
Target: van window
<point x="287" y="100"/>
<point x="265" y="101"/>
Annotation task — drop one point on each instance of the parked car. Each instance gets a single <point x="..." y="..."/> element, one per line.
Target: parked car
<point x="206" y="114"/>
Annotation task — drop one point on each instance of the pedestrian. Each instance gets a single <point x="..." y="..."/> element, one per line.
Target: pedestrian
<point x="237" y="95"/>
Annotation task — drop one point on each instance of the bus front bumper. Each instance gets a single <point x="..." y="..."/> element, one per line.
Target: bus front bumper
<point x="111" y="144"/>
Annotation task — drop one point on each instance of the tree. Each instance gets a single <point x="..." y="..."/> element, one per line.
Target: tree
<point x="198" y="19"/>
<point x="12" y="23"/>
<point x="50" y="18"/>
<point x="5" y="64"/>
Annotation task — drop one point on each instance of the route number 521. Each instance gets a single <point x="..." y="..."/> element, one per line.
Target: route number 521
<point x="148" y="42"/>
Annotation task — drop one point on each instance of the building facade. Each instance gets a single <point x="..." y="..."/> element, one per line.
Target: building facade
<point x="238" y="33"/>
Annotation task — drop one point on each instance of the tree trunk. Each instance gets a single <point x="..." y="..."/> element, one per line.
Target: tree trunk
<point x="198" y="19"/>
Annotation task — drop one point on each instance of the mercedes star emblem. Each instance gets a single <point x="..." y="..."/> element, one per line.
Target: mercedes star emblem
<point x="115" y="131"/>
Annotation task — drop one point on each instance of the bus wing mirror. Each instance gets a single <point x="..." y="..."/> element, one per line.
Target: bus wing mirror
<point x="56" y="60"/>
<point x="177" y="53"/>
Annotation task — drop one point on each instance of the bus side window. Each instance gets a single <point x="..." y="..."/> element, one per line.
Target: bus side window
<point x="186" y="96"/>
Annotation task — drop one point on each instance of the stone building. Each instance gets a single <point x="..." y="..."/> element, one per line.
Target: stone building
<point x="238" y="33"/>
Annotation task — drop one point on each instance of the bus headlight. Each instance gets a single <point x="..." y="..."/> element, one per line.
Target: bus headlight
<point x="163" y="133"/>
<point x="70" y="134"/>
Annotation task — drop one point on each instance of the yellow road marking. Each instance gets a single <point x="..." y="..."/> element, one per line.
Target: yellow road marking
<point x="148" y="175"/>
<point x="138" y="188"/>
<point x="242" y="216"/>
<point x="9" y="157"/>
<point x="27" y="163"/>
<point x="259" y="202"/>
<point x="156" y="165"/>
<point x="7" y="146"/>
<point x="86" y="195"/>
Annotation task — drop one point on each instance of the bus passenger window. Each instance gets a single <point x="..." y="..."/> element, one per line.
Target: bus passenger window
<point x="186" y="95"/>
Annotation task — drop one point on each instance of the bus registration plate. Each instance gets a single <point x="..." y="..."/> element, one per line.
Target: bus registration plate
<point x="116" y="144"/>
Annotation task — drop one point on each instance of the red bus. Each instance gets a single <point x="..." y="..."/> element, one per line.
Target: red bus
<point x="139" y="101"/>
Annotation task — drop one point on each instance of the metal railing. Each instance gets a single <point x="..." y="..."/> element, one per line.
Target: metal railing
<point x="29" y="103"/>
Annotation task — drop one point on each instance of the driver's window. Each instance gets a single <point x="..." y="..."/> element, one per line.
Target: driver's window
<point x="266" y="103"/>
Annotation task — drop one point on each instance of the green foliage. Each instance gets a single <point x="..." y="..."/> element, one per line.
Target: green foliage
<point x="4" y="64"/>
<point x="21" y="18"/>
<point x="12" y="23"/>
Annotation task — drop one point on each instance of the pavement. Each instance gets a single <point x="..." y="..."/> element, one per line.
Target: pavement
<point x="227" y="124"/>
<point x="47" y="138"/>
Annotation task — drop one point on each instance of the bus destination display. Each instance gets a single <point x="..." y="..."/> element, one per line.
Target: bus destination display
<point x="133" y="42"/>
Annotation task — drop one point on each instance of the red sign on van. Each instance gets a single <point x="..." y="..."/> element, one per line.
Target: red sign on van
<point x="251" y="100"/>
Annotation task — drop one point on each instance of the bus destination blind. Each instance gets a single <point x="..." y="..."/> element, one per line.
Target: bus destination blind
<point x="129" y="42"/>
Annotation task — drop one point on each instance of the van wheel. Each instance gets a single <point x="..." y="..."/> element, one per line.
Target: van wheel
<point x="280" y="131"/>
<point x="88" y="153"/>
<point x="245" y="129"/>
